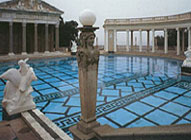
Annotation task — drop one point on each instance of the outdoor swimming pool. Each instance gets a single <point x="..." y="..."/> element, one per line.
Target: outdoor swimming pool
<point x="132" y="91"/>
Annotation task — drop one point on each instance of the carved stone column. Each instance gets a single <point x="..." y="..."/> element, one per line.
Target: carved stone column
<point x="132" y="41"/>
<point x="115" y="40"/>
<point x="165" y="41"/>
<point x="35" y="38"/>
<point x="153" y="40"/>
<point x="140" y="41"/>
<point x="24" y="49"/>
<point x="127" y="40"/>
<point x="88" y="58"/>
<point x="178" y="41"/>
<point x="46" y="39"/>
<point x="11" y="38"/>
<point x="148" y="40"/>
<point x="57" y="36"/>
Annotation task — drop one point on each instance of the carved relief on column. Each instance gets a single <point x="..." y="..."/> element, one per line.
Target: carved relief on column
<point x="87" y="54"/>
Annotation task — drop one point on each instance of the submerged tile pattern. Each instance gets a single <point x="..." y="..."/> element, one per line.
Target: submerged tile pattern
<point x="132" y="91"/>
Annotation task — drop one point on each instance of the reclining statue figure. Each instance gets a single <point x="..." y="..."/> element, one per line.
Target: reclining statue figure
<point x="17" y="91"/>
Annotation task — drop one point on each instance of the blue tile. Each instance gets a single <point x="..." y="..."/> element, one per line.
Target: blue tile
<point x="176" y="90"/>
<point x="34" y="94"/>
<point x="64" y="88"/>
<point x="43" y="86"/>
<point x="37" y="82"/>
<point x="48" y="91"/>
<point x="188" y="116"/>
<point x="139" y="108"/>
<point x="107" y="92"/>
<point x="153" y="101"/>
<point x="125" y="93"/>
<point x="55" y="108"/>
<point x="166" y="95"/>
<point x="61" y="99"/>
<point x="58" y="84"/>
<point x="73" y="102"/>
<point x="149" y="86"/>
<point x="184" y="101"/>
<point x="51" y="80"/>
<point x="103" y="120"/>
<point x="137" y="89"/>
<point x="74" y="110"/>
<point x="140" y="123"/>
<point x="183" y="122"/>
<point x="111" y="98"/>
<point x="100" y="98"/>
<point x="125" y="88"/>
<point x="175" y="108"/>
<point x="160" y="117"/>
<point x="140" y="85"/>
<point x="53" y="116"/>
<point x="188" y="94"/>
<point x="2" y="88"/>
<point x="117" y="116"/>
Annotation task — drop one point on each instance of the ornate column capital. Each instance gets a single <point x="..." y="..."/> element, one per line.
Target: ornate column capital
<point x="87" y="54"/>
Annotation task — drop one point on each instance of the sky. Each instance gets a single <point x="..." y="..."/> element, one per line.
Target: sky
<point x="107" y="9"/>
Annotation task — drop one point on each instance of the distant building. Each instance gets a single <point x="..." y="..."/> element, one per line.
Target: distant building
<point x="28" y="26"/>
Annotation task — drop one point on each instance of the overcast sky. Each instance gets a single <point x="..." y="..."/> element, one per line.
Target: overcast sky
<point x="104" y="9"/>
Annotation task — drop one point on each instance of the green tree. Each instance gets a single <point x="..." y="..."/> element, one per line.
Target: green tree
<point x="68" y="32"/>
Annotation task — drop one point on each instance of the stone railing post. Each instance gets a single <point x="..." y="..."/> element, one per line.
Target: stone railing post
<point x="88" y="58"/>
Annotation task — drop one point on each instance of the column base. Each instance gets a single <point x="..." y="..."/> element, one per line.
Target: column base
<point x="84" y="131"/>
<point x="46" y="52"/>
<point x="11" y="54"/>
<point x="23" y="53"/>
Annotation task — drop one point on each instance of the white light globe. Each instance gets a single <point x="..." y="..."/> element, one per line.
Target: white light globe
<point x="87" y="18"/>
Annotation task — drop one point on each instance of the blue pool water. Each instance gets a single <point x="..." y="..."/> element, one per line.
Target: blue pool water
<point x="132" y="91"/>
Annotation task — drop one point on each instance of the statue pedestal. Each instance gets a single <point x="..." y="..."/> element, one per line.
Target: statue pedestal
<point x="6" y="116"/>
<point x="186" y="70"/>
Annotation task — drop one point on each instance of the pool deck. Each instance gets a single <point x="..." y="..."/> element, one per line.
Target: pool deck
<point x="16" y="129"/>
<point x="171" y="54"/>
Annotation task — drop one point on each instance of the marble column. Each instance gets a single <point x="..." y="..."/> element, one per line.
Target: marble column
<point x="24" y="47"/>
<point x="11" y="38"/>
<point x="148" y="40"/>
<point x="57" y="37"/>
<point x="88" y="59"/>
<point x="106" y="41"/>
<point x="46" y="39"/>
<point x="140" y="41"/>
<point x="189" y="37"/>
<point x="115" y="41"/>
<point x="153" y="40"/>
<point x="165" y="41"/>
<point x="183" y="40"/>
<point x="127" y="41"/>
<point x="132" y="40"/>
<point x="35" y="38"/>
<point x="178" y="41"/>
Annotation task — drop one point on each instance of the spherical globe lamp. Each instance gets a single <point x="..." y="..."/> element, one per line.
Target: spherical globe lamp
<point x="87" y="18"/>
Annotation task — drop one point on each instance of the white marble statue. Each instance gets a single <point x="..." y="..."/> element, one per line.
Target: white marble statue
<point x="17" y="91"/>
<point x="187" y="61"/>
<point x="74" y="47"/>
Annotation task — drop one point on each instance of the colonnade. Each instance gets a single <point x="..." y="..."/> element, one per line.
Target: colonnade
<point x="24" y="46"/>
<point x="108" y="39"/>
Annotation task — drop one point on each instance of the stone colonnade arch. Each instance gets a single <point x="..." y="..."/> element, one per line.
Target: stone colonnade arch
<point x="180" y="22"/>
